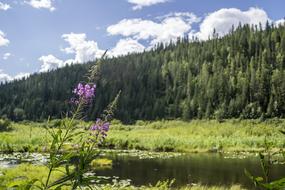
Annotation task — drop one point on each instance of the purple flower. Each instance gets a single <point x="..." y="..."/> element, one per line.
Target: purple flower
<point x="100" y="128"/>
<point x="84" y="92"/>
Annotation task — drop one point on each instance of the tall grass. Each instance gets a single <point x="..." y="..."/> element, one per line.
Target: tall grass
<point x="179" y="136"/>
<point x="198" y="135"/>
<point x="23" y="138"/>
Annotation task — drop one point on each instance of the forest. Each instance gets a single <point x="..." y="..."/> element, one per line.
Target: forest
<point x="240" y="75"/>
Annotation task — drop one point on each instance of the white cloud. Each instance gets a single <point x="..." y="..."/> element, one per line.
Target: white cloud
<point x="125" y="46"/>
<point x="83" y="49"/>
<point x="3" y="40"/>
<point x="50" y="62"/>
<point x="41" y="4"/>
<point x="6" y="56"/>
<point x="4" y="77"/>
<point x="280" y="22"/>
<point x="223" y="20"/>
<point x="139" y="4"/>
<point x="4" y="6"/>
<point x="169" y="28"/>
<point x="21" y="76"/>
<point x="188" y="16"/>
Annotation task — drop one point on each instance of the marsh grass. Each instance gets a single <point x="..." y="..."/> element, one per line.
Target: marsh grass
<point x="197" y="135"/>
<point x="23" y="138"/>
<point x="30" y="136"/>
<point x="176" y="136"/>
<point x="23" y="173"/>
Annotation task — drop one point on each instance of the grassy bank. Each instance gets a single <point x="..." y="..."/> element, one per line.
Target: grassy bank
<point x="178" y="136"/>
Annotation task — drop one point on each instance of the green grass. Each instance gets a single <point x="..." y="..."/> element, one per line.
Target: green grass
<point x="23" y="138"/>
<point x="24" y="173"/>
<point x="197" y="135"/>
<point x="177" y="136"/>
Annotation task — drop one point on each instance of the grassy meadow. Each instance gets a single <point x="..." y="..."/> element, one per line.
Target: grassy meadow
<point x="175" y="136"/>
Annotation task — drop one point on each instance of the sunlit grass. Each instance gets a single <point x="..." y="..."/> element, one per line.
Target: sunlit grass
<point x="26" y="172"/>
<point x="24" y="137"/>
<point x="178" y="136"/>
<point x="199" y="135"/>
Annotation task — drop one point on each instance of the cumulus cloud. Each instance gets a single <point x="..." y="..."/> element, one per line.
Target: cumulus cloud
<point x="6" y="56"/>
<point x="50" y="62"/>
<point x="41" y="4"/>
<point x="4" y="77"/>
<point x="84" y="50"/>
<point x="20" y="76"/>
<point x="3" y="40"/>
<point x="280" y="22"/>
<point x="223" y="20"/>
<point x="125" y="46"/>
<point x="139" y="4"/>
<point x="169" y="28"/>
<point x="4" y="6"/>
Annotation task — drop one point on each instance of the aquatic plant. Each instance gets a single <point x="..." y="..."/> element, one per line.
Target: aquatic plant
<point x="101" y="163"/>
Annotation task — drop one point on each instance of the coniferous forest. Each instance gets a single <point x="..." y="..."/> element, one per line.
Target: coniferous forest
<point x="240" y="75"/>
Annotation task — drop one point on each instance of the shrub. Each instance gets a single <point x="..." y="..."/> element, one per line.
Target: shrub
<point x="141" y="123"/>
<point x="55" y="123"/>
<point x="157" y="125"/>
<point x="5" y="125"/>
<point x="116" y="122"/>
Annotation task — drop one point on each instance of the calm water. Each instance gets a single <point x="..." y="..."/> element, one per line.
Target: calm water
<point x="208" y="169"/>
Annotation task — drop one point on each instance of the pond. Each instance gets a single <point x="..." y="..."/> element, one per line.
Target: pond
<point x="204" y="168"/>
<point x="144" y="168"/>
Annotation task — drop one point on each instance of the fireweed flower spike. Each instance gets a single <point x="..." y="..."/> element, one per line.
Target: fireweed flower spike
<point x="85" y="93"/>
<point x="100" y="129"/>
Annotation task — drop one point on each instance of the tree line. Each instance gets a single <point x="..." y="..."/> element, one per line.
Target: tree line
<point x="240" y="75"/>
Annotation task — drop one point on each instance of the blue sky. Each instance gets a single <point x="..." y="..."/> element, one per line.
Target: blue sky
<point x="41" y="35"/>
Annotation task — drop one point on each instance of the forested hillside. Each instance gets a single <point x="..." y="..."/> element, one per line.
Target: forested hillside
<point x="239" y="75"/>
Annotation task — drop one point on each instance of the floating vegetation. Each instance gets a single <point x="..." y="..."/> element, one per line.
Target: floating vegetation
<point x="143" y="154"/>
<point x="16" y="158"/>
<point x="239" y="155"/>
<point x="101" y="163"/>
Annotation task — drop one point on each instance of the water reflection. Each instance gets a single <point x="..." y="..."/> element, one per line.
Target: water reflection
<point x="208" y="169"/>
<point x="148" y="168"/>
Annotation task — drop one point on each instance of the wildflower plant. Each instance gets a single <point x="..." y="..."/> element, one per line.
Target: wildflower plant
<point x="85" y="93"/>
<point x="75" y="163"/>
